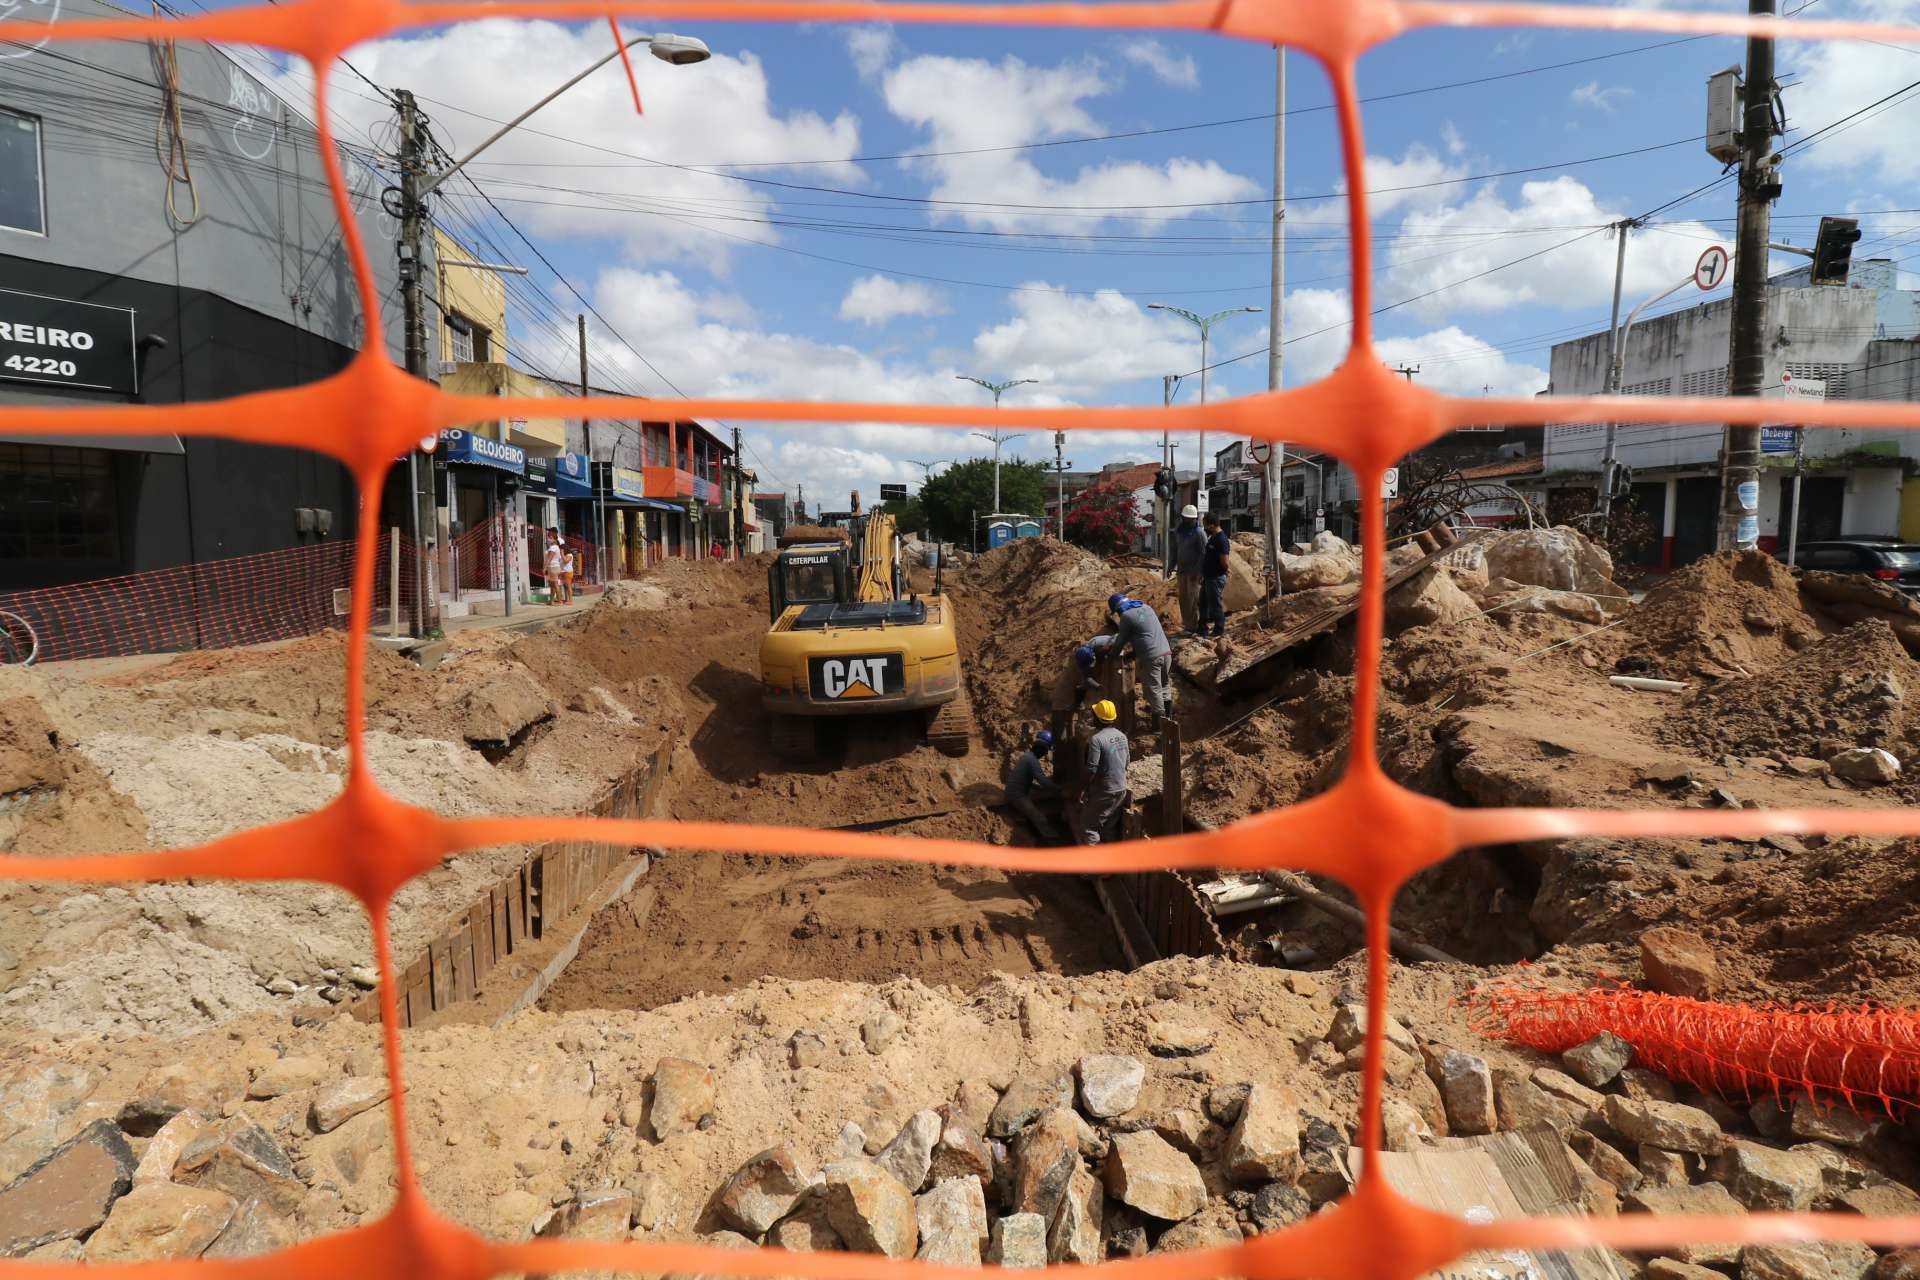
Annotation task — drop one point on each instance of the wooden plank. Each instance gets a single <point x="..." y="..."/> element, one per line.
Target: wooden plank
<point x="518" y="885"/>
<point x="1173" y="799"/>
<point x="460" y="943"/>
<point x="480" y="924"/>
<point x="416" y="984"/>
<point x="1240" y="660"/>
<point x="440" y="956"/>
<point x="502" y="935"/>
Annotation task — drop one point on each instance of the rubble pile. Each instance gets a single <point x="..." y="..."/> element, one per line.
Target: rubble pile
<point x="1841" y="692"/>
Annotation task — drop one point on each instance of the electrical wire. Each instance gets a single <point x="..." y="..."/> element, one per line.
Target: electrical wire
<point x="170" y="136"/>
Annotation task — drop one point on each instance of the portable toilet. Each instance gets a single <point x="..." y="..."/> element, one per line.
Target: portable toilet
<point x="999" y="533"/>
<point x="1027" y="527"/>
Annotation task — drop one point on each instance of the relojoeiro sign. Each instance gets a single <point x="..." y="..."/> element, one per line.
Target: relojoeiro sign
<point x="855" y="677"/>
<point x="62" y="342"/>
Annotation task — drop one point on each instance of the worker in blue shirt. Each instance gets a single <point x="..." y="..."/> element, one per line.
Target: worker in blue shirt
<point x="1028" y="782"/>
<point x="1137" y="627"/>
<point x="1213" y="579"/>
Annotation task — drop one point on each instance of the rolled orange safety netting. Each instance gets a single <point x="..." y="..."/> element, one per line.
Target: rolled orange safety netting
<point x="1367" y="830"/>
<point x="1864" y="1059"/>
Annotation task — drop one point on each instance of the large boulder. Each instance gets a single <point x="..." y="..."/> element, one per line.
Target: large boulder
<point x="870" y="1210"/>
<point x="1431" y="599"/>
<point x="1145" y="1172"/>
<point x="1678" y="962"/>
<point x="1560" y="559"/>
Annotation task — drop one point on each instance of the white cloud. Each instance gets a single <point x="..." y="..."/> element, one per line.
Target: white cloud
<point x="971" y="105"/>
<point x="1169" y="67"/>
<point x="1408" y="181"/>
<point x="1449" y="358"/>
<point x="877" y="299"/>
<point x="1077" y="346"/>
<point x="871" y="49"/>
<point x="720" y="109"/>
<point x="1838" y="78"/>
<point x="1443" y="245"/>
<point x="1456" y="145"/>
<point x="1592" y="96"/>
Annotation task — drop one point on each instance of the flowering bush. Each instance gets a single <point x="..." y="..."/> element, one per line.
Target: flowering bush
<point x="1103" y="518"/>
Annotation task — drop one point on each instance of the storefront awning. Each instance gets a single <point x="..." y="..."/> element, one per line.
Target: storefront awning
<point x="650" y="504"/>
<point x="125" y="444"/>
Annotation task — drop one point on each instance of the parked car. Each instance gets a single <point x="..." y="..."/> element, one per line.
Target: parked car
<point x="1897" y="563"/>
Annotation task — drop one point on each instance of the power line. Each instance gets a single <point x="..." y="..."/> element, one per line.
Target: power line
<point x="1126" y="135"/>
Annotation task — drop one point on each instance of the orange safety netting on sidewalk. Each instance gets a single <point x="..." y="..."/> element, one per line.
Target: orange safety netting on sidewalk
<point x="1366" y="830"/>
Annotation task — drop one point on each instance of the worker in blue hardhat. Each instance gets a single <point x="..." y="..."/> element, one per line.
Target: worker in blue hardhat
<point x="1137" y="627"/>
<point x="1028" y="782"/>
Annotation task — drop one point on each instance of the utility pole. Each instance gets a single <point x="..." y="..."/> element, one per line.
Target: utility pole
<point x="1747" y="358"/>
<point x="413" y="168"/>
<point x="599" y="502"/>
<point x="734" y="519"/>
<point x="1205" y="325"/>
<point x="1169" y="383"/>
<point x="1407" y="371"/>
<point x="1276" y="307"/>
<point x="1060" y="480"/>
<point x="1616" y="357"/>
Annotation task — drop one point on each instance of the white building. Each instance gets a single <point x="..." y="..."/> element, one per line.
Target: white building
<point x="1859" y="340"/>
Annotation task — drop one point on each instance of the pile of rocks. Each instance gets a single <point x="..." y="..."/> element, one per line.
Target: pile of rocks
<point x="1063" y="1166"/>
<point x="1642" y="1148"/>
<point x="179" y="1172"/>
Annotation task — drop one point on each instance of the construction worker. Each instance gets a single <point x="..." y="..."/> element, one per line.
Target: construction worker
<point x="1213" y="580"/>
<point x="1105" y="791"/>
<point x="1028" y="778"/>
<point x="1071" y="687"/>
<point x="1189" y="544"/>
<point x="1137" y="627"/>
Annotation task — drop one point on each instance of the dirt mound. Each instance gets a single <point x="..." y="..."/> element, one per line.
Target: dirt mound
<point x="1846" y="690"/>
<point x="1731" y="614"/>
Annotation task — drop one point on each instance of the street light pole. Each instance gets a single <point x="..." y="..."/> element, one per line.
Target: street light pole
<point x="997" y="436"/>
<point x="1205" y="325"/>
<point x="1272" y="471"/>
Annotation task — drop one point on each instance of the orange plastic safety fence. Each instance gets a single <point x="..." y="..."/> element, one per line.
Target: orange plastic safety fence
<point x="210" y="604"/>
<point x="1366" y="829"/>
<point x="1864" y="1059"/>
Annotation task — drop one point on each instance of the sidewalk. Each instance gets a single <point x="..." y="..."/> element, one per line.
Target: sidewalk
<point x="526" y="617"/>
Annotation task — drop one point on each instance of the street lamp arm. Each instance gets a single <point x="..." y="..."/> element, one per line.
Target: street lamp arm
<point x="686" y="51"/>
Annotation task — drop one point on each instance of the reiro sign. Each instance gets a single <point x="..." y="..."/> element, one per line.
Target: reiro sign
<point x="65" y="343"/>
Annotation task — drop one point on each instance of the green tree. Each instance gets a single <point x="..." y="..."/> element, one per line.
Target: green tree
<point x="909" y="515"/>
<point x="952" y="498"/>
<point x="1103" y="518"/>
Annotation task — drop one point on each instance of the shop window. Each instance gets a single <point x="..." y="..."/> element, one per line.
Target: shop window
<point x="23" y="204"/>
<point x="57" y="504"/>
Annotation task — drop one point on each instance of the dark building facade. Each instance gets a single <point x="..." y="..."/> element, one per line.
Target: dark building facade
<point x="119" y="284"/>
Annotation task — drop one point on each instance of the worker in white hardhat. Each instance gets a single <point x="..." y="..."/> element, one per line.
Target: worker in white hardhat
<point x="1189" y="545"/>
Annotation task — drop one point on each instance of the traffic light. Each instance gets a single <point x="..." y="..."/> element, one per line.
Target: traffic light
<point x="1833" y="250"/>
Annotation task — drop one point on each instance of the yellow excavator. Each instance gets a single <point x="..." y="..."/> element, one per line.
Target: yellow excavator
<point x="848" y="639"/>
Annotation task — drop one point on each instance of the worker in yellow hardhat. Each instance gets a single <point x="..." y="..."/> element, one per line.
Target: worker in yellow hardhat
<point x="1105" y="792"/>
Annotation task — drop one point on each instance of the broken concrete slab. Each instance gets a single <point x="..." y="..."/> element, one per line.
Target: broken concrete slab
<point x="66" y="1193"/>
<point x="161" y="1220"/>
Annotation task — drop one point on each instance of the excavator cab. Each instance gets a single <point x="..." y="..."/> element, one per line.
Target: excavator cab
<point x="809" y="574"/>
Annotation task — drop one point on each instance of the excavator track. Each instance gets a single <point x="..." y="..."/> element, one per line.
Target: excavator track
<point x="951" y="729"/>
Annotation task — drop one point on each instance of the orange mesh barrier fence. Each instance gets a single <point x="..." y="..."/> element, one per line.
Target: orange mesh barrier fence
<point x="1858" y="1058"/>
<point x="1366" y="829"/>
<point x="213" y="604"/>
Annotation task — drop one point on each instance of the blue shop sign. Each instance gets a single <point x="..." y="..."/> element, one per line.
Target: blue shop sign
<point x="571" y="473"/>
<point x="482" y="451"/>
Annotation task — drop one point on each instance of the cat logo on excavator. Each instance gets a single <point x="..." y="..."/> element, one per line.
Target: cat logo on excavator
<point x="855" y="677"/>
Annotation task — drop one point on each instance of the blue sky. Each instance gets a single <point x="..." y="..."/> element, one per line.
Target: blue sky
<point x="739" y="242"/>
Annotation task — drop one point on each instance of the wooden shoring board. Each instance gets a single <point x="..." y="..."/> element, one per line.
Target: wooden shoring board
<point x="1240" y="661"/>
